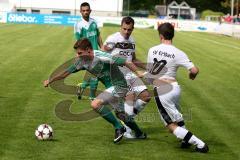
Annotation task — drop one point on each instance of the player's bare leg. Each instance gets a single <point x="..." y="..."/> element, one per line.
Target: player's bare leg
<point x="139" y="103"/>
<point x="142" y="100"/>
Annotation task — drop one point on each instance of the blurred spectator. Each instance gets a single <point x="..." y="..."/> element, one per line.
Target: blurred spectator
<point x="220" y="19"/>
<point x="228" y="18"/>
<point x="236" y="19"/>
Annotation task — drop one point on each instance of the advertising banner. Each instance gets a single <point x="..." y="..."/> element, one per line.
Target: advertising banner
<point x="65" y="20"/>
<point x="139" y="22"/>
<point x="3" y="17"/>
<point x="41" y="19"/>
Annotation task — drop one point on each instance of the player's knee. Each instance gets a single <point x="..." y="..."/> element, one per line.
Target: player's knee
<point x="145" y="96"/>
<point x="171" y="127"/>
<point x="130" y="97"/>
<point x="96" y="103"/>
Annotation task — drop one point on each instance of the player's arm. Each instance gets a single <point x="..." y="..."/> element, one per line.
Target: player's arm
<point x="62" y="75"/>
<point x="122" y="61"/>
<point x="134" y="68"/>
<point x="77" y="34"/>
<point x="137" y="62"/>
<point x="100" y="42"/>
<point x="57" y="77"/>
<point x="99" y="38"/>
<point x="193" y="72"/>
<point x="106" y="48"/>
<point x="108" y="44"/>
<point x="184" y="61"/>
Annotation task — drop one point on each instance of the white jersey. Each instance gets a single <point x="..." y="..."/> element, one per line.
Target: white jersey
<point x="121" y="47"/>
<point x="169" y="58"/>
<point x="84" y="24"/>
<point x="125" y="48"/>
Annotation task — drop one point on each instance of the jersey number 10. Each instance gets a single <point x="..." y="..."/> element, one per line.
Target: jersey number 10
<point x="157" y="66"/>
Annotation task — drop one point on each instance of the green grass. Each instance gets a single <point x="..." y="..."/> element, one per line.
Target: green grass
<point x="30" y="53"/>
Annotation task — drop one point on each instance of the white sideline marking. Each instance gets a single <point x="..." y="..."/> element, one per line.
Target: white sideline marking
<point x="216" y="42"/>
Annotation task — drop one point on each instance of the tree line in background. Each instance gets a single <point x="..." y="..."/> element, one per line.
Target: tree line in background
<point x="223" y="6"/>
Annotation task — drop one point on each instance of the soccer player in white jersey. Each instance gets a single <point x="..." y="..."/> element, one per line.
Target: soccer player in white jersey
<point x="121" y="44"/>
<point x="171" y="58"/>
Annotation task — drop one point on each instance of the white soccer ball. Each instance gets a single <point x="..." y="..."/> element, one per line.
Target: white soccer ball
<point x="44" y="132"/>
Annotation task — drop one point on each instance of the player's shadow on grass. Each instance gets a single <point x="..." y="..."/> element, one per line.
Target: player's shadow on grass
<point x="50" y="141"/>
<point x="154" y="130"/>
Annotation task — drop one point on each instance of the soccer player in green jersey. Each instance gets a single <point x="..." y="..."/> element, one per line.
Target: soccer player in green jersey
<point x="105" y="68"/>
<point x="87" y="27"/>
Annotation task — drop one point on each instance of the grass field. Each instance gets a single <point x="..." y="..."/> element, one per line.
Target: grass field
<point x="30" y="53"/>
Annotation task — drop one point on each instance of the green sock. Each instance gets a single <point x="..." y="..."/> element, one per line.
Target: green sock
<point x="107" y="114"/>
<point x="92" y="93"/>
<point x="133" y="125"/>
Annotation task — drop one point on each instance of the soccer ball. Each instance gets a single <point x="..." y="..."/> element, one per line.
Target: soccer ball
<point x="44" y="132"/>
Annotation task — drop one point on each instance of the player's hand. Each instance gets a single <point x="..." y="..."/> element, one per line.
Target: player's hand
<point x="193" y="72"/>
<point x="46" y="83"/>
<point x="192" y="76"/>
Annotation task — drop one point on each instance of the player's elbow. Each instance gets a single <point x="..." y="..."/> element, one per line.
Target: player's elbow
<point x="95" y="104"/>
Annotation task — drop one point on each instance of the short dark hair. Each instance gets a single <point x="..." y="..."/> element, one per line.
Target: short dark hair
<point x="84" y="4"/>
<point x="83" y="44"/>
<point x="166" y="30"/>
<point x="128" y="20"/>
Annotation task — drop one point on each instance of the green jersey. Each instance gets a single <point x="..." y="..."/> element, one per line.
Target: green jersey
<point x="104" y="67"/>
<point x="90" y="30"/>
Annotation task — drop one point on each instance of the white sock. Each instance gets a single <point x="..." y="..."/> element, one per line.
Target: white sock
<point x="128" y="130"/>
<point x="180" y="133"/>
<point x="196" y="141"/>
<point x="139" y="105"/>
<point x="128" y="109"/>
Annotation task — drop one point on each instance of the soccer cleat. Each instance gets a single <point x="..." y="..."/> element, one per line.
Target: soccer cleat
<point x="128" y="134"/>
<point x="185" y="144"/>
<point x="119" y="134"/>
<point x="205" y="149"/>
<point x="142" y="136"/>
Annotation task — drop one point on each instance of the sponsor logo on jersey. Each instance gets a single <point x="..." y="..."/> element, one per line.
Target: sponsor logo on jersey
<point x="91" y="34"/>
<point x="124" y="45"/>
<point x="125" y="53"/>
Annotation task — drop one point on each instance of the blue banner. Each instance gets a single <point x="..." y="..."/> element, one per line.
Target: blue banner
<point x="41" y="19"/>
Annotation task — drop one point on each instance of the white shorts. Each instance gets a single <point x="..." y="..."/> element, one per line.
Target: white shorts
<point x="168" y="103"/>
<point x="135" y="84"/>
